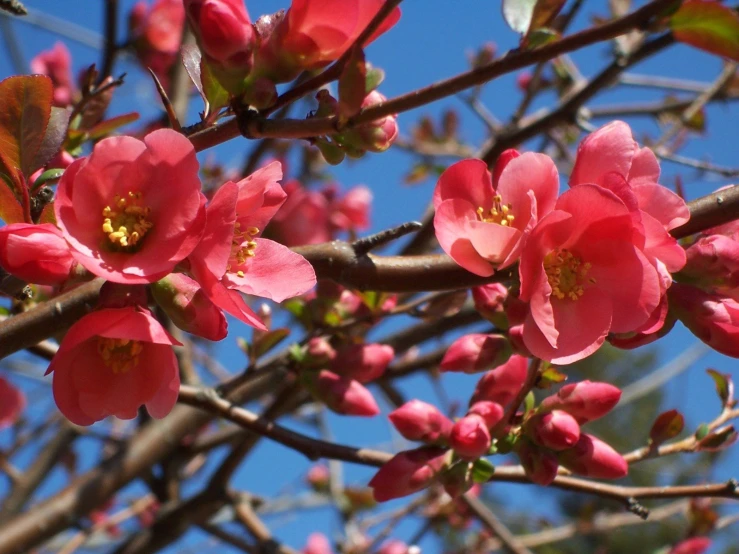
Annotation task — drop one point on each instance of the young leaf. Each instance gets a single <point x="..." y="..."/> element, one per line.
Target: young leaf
<point x="10" y="208"/>
<point x="717" y="440"/>
<point x="707" y="25"/>
<point x="26" y="108"/>
<point x="482" y="470"/>
<point x="667" y="426"/>
<point x="56" y="132"/>
<point x="724" y="386"/>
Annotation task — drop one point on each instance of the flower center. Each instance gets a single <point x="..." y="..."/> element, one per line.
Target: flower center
<point x="243" y="246"/>
<point x="566" y="274"/>
<point x="499" y="213"/>
<point x="126" y="222"/>
<point x="119" y="354"/>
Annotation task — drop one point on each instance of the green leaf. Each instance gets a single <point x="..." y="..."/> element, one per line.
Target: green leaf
<point x="718" y="440"/>
<point x="216" y="96"/>
<point x="375" y="76"/>
<point x="529" y="402"/>
<point x="707" y="25"/>
<point x="702" y="431"/>
<point x="667" y="426"/>
<point x="550" y="376"/>
<point x="266" y="341"/>
<point x="352" y="84"/>
<point x="46" y="176"/>
<point x="26" y="108"/>
<point x="724" y="386"/>
<point x="482" y="470"/>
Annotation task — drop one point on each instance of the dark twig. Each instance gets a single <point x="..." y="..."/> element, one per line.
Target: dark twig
<point x="366" y="244"/>
<point x="13" y="6"/>
<point x="111" y="38"/>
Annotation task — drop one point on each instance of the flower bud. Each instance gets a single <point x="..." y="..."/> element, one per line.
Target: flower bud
<point x="419" y="421"/>
<point x="503" y="383"/>
<point x="585" y="401"/>
<point x="374" y="136"/>
<point x="188" y="307"/>
<point x="407" y="472"/>
<point x="712" y="262"/>
<point x="320" y="351"/>
<point x="476" y="352"/>
<point x="56" y="63"/>
<point x="540" y="465"/>
<point x="489" y="301"/>
<point x="556" y="430"/>
<point x="317" y="543"/>
<point x="35" y="253"/>
<point x="318" y="477"/>
<point x="344" y="396"/>
<point x="490" y="412"/>
<point x="363" y="362"/>
<point x="156" y="34"/>
<point x="592" y="457"/>
<point x="470" y="437"/>
<point x="393" y="546"/>
<point x="712" y="318"/>
<point x="694" y="545"/>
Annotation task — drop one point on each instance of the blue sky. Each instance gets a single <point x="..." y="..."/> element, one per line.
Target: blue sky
<point x="431" y="42"/>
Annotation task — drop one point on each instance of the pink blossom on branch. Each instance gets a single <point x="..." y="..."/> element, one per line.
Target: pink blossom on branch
<point x="363" y="362"/>
<point x="342" y="395"/>
<point x="482" y="224"/>
<point x="503" y="383"/>
<point x="584" y="274"/>
<point x="420" y="421"/>
<point x="585" y="401"/>
<point x="132" y="209"/>
<point x="556" y="430"/>
<point x="111" y="362"/>
<point x="35" y="253"/>
<point x="407" y="472"/>
<point x="592" y="457"/>
<point x="57" y="64"/>
<point x="470" y="437"/>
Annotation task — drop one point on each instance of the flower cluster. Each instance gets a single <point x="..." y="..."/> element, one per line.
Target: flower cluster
<point x="593" y="262"/>
<point x="133" y="214"/>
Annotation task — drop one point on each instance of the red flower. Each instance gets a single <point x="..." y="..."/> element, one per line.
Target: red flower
<point x="231" y="257"/>
<point x="12" y="403"/>
<point x="419" y="421"/>
<point x="57" y="64"/>
<point x="407" y="472"/>
<point x="342" y="395"/>
<point x="132" y="210"/>
<point x="35" y="253"/>
<point x="556" y="430"/>
<point x="111" y="362"/>
<point x="584" y="273"/>
<point x="481" y="224"/>
<point x="363" y="362"/>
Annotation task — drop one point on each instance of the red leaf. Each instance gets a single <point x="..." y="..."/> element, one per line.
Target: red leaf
<point x="668" y="425"/>
<point x="26" y="106"/>
<point x="707" y="25"/>
<point x="11" y="210"/>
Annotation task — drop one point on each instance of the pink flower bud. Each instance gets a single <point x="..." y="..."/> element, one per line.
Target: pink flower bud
<point x="490" y="412"/>
<point x="523" y="80"/>
<point x="56" y="63"/>
<point x="363" y="362"/>
<point x="540" y="465"/>
<point x="12" y="403"/>
<point x="476" y="352"/>
<point x="35" y="253"/>
<point x="318" y="477"/>
<point x="377" y="135"/>
<point x="489" y="301"/>
<point x="156" y="34"/>
<point x="585" y="401"/>
<point x="712" y="318"/>
<point x="695" y="545"/>
<point x="592" y="457"/>
<point x="470" y="437"/>
<point x="344" y="396"/>
<point x="188" y="307"/>
<point x="393" y="546"/>
<point x="419" y="421"/>
<point x="712" y="262"/>
<point x="224" y="32"/>
<point x="317" y="544"/>
<point x="557" y="430"/>
<point x="407" y="472"/>
<point x="320" y="351"/>
<point x="503" y="383"/>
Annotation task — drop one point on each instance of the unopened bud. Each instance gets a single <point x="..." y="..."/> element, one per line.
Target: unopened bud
<point x="556" y="430"/>
<point x="585" y="401"/>
<point x="592" y="457"/>
<point x="407" y="472"/>
<point x="470" y="437"/>
<point x="476" y="352"/>
<point x="419" y="421"/>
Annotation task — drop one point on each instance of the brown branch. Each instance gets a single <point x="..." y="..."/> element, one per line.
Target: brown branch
<point x="514" y="60"/>
<point x="508" y="540"/>
<point x="111" y="34"/>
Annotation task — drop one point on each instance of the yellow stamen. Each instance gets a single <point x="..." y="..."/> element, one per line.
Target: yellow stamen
<point x="498" y="214"/>
<point x="119" y="354"/>
<point x="566" y="274"/>
<point x="126" y="225"/>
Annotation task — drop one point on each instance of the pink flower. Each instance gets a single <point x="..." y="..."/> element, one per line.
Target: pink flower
<point x="111" y="362"/>
<point x="132" y="210"/>
<point x="343" y="396"/>
<point x="188" y="307"/>
<point x="419" y="421"/>
<point x="481" y="224"/>
<point x="489" y="301"/>
<point x="503" y="383"/>
<point x="584" y="273"/>
<point x="539" y="464"/>
<point x="476" y="352"/>
<point x="232" y="258"/>
<point x="57" y="64"/>
<point x="407" y="472"/>
<point x="712" y="318"/>
<point x="556" y="430"/>
<point x="157" y="34"/>
<point x="317" y="544"/>
<point x="35" y="253"/>
<point x="12" y="403"/>
<point x="592" y="457"/>
<point x="363" y="362"/>
<point x="713" y="264"/>
<point x="393" y="546"/>
<point x="585" y="401"/>
<point x="313" y="33"/>
<point x="470" y="437"/>
<point x="695" y="545"/>
<point x="224" y="31"/>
